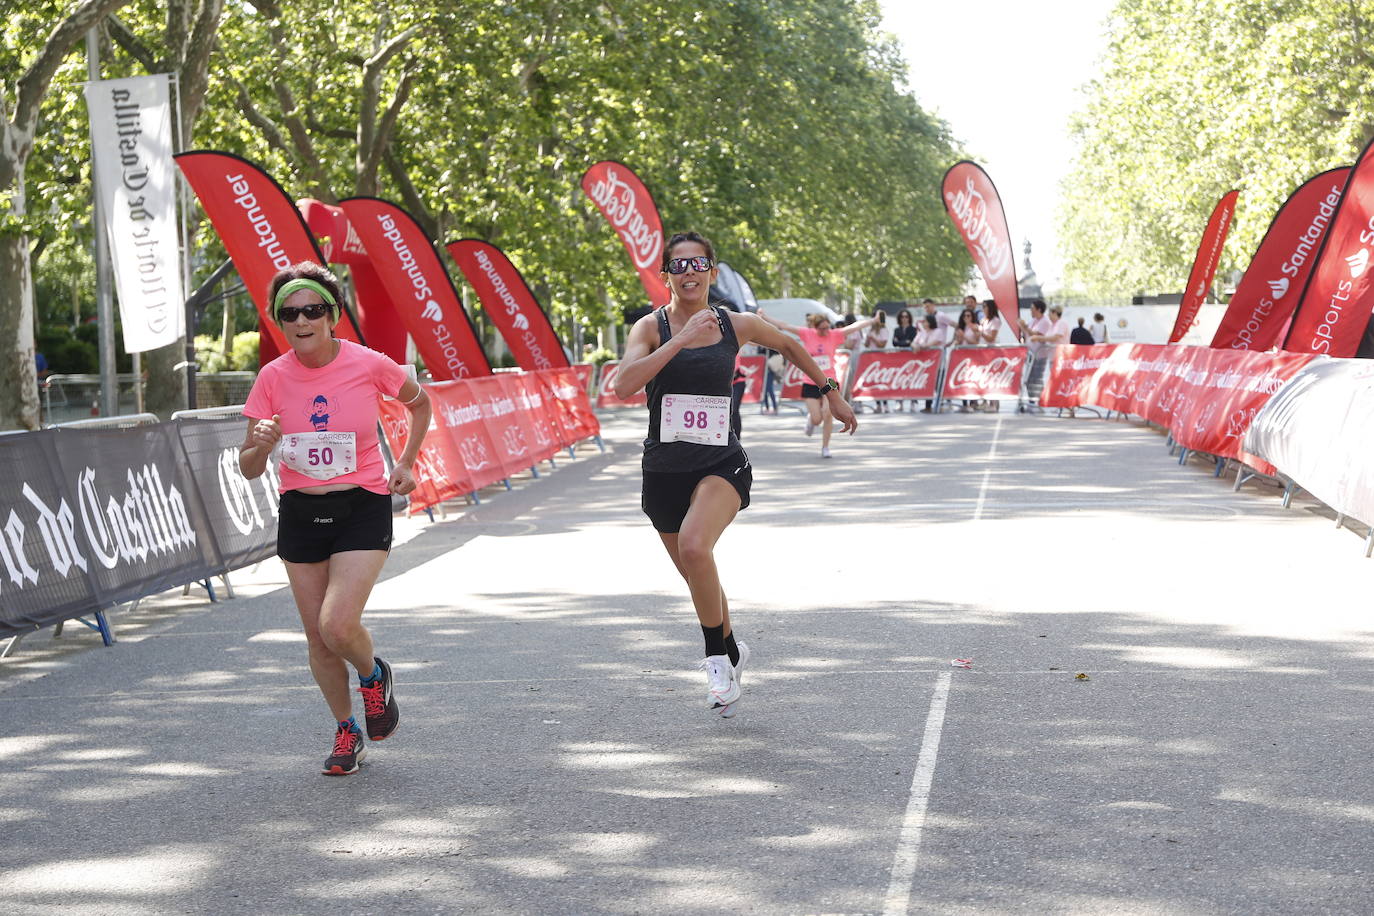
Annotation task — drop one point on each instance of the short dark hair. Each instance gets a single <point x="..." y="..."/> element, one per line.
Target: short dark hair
<point x="303" y="270"/>
<point x="927" y="301"/>
<point x="1038" y="304"/>
<point x="680" y="237"/>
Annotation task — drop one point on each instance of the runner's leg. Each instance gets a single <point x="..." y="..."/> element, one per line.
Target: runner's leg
<point x="309" y="583"/>
<point x="714" y="505"/>
<point x="827" y="424"/>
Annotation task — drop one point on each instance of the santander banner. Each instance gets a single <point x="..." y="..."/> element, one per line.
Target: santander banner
<point x="420" y="288"/>
<point x="629" y="208"/>
<point x="899" y="374"/>
<point x="261" y="228"/>
<point x="985" y="372"/>
<point x="972" y="202"/>
<point x="1269" y="291"/>
<point x="1204" y="264"/>
<point x="510" y="305"/>
<point x="1336" y="303"/>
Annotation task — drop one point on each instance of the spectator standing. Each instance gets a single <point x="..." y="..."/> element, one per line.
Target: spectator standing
<point x="966" y="334"/>
<point x="988" y="329"/>
<point x="877" y="338"/>
<point x="1080" y="335"/>
<point x="929" y="336"/>
<point x="769" y="403"/>
<point x="1037" y="343"/>
<point x="971" y="302"/>
<point x="1098" y="328"/>
<point x="903" y="336"/>
<point x="928" y="306"/>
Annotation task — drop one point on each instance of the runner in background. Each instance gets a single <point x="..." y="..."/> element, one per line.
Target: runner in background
<point x="696" y="474"/>
<point x="319" y="401"/>
<point x="821" y="343"/>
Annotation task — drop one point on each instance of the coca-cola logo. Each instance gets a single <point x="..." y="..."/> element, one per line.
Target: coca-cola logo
<point x="999" y="374"/>
<point x="620" y="204"/>
<point x="913" y="373"/>
<point x="990" y="249"/>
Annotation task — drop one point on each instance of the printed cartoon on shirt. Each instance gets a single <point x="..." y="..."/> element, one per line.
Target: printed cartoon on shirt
<point x="319" y="413"/>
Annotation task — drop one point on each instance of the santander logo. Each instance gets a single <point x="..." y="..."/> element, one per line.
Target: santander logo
<point x="970" y="209"/>
<point x="521" y="322"/>
<point x="1279" y="287"/>
<point x="432" y="311"/>
<point x="1358" y="262"/>
<point x="621" y="205"/>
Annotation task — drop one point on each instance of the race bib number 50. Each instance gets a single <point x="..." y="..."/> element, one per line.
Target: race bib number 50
<point x="322" y="456"/>
<point x="700" y="418"/>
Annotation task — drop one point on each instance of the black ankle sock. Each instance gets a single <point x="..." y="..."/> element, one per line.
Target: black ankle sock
<point x="731" y="649"/>
<point x="715" y="639"/>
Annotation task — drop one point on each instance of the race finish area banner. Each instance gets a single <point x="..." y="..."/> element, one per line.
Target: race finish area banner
<point x="510" y="305"/>
<point x="1336" y="303"/>
<point x="882" y="374"/>
<point x="419" y="287"/>
<point x="131" y="154"/>
<point x="994" y="373"/>
<point x="1204" y="264"/>
<point x="260" y="227"/>
<point x="753" y="368"/>
<point x="629" y="208"/>
<point x="793" y="378"/>
<point x="1266" y="296"/>
<point x="242" y="513"/>
<point x="972" y="202"/>
<point x="606" y="392"/>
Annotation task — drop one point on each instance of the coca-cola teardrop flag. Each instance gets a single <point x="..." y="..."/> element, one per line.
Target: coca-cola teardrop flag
<point x="416" y="282"/>
<point x="1268" y="293"/>
<point x="1204" y="264"/>
<point x="972" y="202"/>
<point x="1337" y="301"/>
<point x="261" y="228"/>
<point x="510" y="305"/>
<point x="629" y="208"/>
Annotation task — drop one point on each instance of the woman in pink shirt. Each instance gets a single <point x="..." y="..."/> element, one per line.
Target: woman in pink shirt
<point x="318" y="401"/>
<point x="820" y="342"/>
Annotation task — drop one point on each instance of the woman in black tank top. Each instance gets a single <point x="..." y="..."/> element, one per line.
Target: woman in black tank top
<point x="696" y="474"/>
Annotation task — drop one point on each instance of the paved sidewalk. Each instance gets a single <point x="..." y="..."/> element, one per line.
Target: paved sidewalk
<point x="556" y="754"/>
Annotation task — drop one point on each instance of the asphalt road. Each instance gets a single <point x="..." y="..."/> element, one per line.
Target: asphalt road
<point x="556" y="754"/>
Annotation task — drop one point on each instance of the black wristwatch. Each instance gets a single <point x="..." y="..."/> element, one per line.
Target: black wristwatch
<point x="830" y="385"/>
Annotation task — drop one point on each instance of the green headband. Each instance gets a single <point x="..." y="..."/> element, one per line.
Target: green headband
<point x="291" y="286"/>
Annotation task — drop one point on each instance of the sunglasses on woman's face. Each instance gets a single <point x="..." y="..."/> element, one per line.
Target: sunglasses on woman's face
<point x="682" y="265"/>
<point x="314" y="312"/>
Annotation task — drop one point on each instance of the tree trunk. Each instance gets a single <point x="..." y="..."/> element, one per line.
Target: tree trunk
<point x="18" y="377"/>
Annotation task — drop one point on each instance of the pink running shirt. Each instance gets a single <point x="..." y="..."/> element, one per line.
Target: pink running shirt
<point x="339" y="397"/>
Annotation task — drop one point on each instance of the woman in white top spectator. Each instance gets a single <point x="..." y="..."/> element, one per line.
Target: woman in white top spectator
<point x="966" y="335"/>
<point x="930" y="335"/>
<point x="876" y="338"/>
<point x="987" y="336"/>
<point x="1098" y="328"/>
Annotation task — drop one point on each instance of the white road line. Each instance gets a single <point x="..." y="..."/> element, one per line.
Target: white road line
<point x="987" y="471"/>
<point x="909" y="841"/>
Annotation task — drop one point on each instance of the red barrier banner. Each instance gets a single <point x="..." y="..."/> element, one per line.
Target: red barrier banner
<point x="1336" y="303"/>
<point x="569" y="396"/>
<point x="510" y="305"/>
<point x="972" y="202"/>
<point x="458" y="414"/>
<point x="584" y="373"/>
<point x="629" y="208"/>
<point x="439" y="471"/>
<point x="419" y="287"/>
<point x="1228" y="388"/>
<point x="1204" y="264"/>
<point x="1069" y="372"/>
<point x="606" y="393"/>
<point x="506" y="429"/>
<point x="793" y="378"/>
<point x="528" y="397"/>
<point x="753" y="368"/>
<point x="260" y="227"/>
<point x="985" y="372"/>
<point x="1268" y="293"/>
<point x="896" y="374"/>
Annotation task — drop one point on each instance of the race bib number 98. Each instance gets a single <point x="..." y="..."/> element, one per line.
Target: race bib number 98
<point x="700" y="418"/>
<point x="322" y="456"/>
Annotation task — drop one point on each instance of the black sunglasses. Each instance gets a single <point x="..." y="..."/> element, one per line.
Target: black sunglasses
<point x="681" y="265"/>
<point x="314" y="312"/>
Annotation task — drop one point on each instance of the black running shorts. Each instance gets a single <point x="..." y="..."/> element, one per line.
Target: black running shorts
<point x="313" y="526"/>
<point x="667" y="496"/>
<point x="811" y="391"/>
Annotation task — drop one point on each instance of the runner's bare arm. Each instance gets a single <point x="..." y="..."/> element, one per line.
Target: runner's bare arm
<point x="416" y="400"/>
<point x="262" y="437"/>
<point x="644" y="357"/>
<point x="780" y="325"/>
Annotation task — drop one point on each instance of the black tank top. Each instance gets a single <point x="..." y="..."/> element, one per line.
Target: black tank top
<point x="695" y="370"/>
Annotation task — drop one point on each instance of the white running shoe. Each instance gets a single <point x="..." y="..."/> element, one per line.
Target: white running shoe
<point x="825" y="451"/>
<point x="810" y="427"/>
<point x="722" y="689"/>
<point x="743" y="648"/>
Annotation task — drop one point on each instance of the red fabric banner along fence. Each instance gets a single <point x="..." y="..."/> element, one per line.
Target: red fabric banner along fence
<point x="525" y="405"/>
<point x="1336" y="303"/>
<point x="753" y="368"/>
<point x="605" y="393"/>
<point x="629" y="208"/>
<point x="260" y="227"/>
<point x="972" y="202"/>
<point x="1268" y="293"/>
<point x="420" y="289"/>
<point x="897" y="374"/>
<point x="1205" y="397"/>
<point x="1204" y="264"/>
<point x="985" y="372"/>
<point x="510" y="305"/>
<point x="793" y="378"/>
<point x="439" y="471"/>
<point x="569" y="398"/>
